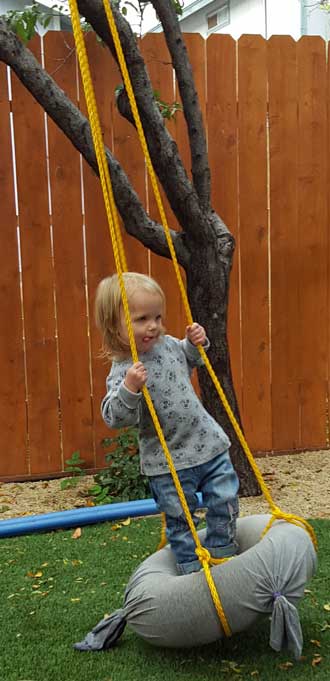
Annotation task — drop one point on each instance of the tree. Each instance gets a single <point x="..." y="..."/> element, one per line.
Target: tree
<point x="312" y="5"/>
<point x="204" y="246"/>
<point x="321" y="4"/>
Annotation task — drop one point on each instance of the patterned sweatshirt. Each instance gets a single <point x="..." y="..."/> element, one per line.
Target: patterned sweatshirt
<point x="192" y="435"/>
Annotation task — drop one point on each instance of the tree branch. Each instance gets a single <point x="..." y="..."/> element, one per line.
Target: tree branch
<point x="76" y="127"/>
<point x="197" y="140"/>
<point x="163" y="150"/>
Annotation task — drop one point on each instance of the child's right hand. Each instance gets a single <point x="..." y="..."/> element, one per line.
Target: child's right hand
<point x="136" y="377"/>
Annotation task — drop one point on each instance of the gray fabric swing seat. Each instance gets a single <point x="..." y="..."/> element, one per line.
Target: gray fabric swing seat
<point x="267" y="578"/>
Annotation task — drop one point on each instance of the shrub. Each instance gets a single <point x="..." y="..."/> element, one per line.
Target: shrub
<point x="121" y="480"/>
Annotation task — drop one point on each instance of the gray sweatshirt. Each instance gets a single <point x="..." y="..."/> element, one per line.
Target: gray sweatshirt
<point x="192" y="435"/>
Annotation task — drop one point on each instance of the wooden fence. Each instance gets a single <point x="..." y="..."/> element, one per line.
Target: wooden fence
<point x="266" y="109"/>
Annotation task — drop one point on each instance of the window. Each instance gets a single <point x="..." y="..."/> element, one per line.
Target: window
<point x="218" y="18"/>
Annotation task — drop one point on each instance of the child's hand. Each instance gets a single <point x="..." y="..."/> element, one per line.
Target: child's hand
<point x="196" y="334"/>
<point x="136" y="377"/>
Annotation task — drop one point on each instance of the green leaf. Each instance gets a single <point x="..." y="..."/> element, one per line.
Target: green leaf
<point x="47" y="21"/>
<point x="68" y="483"/>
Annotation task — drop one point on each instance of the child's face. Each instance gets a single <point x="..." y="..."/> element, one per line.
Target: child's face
<point x="146" y="310"/>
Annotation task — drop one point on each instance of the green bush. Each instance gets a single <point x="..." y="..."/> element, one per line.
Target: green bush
<point x="121" y="480"/>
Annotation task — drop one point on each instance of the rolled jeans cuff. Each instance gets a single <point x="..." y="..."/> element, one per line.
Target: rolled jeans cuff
<point x="188" y="568"/>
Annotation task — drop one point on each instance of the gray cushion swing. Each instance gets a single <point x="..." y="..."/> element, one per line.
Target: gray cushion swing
<point x="268" y="577"/>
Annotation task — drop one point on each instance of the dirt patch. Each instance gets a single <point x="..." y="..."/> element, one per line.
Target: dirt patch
<point x="298" y="483"/>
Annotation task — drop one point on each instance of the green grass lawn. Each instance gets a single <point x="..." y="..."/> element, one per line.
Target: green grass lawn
<point x="55" y="588"/>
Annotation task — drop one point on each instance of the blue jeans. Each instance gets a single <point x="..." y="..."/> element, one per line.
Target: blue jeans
<point x="218" y="483"/>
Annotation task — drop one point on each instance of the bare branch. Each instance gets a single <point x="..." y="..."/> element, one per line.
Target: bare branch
<point x="163" y="150"/>
<point x="321" y="4"/>
<point x="197" y="140"/>
<point x="76" y="127"/>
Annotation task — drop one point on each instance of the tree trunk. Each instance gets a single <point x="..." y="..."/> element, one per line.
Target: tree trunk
<point x="208" y="290"/>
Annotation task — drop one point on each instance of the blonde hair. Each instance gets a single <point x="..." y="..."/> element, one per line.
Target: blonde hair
<point x="108" y="305"/>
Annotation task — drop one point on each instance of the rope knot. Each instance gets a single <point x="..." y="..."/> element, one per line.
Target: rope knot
<point x="203" y="554"/>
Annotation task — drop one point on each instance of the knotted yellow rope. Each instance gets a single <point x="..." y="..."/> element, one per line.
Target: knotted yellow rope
<point x="120" y="262"/>
<point x="120" y="265"/>
<point x="121" y="59"/>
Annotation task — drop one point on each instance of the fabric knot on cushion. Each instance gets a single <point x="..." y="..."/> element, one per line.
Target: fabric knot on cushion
<point x="276" y="595"/>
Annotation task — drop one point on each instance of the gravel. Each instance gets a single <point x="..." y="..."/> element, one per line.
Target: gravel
<point x="298" y="483"/>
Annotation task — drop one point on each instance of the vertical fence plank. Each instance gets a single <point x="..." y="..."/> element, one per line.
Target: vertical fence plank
<point x="223" y="159"/>
<point x="160" y="69"/>
<point x="196" y="51"/>
<point x="127" y="150"/>
<point x="286" y="253"/>
<point x="100" y="261"/>
<point x="13" y="426"/>
<point x="38" y="281"/>
<point x="313" y="237"/>
<point x="252" y="89"/>
<point x="70" y="280"/>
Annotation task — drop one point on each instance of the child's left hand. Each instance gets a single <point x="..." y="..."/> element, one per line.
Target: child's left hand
<point x="196" y="334"/>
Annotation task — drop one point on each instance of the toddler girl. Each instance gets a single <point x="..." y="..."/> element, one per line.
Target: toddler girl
<point x="198" y="445"/>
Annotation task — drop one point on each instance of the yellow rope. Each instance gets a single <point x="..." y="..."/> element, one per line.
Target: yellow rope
<point x="121" y="266"/>
<point x="121" y="59"/>
<point x="202" y="554"/>
<point x="163" y="539"/>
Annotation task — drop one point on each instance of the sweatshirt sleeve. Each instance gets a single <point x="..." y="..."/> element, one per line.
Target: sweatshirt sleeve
<point x="120" y="406"/>
<point x="192" y="354"/>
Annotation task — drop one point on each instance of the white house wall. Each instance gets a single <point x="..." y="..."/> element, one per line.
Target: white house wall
<point x="251" y="16"/>
<point x="316" y="22"/>
<point x="266" y="17"/>
<point x="284" y="18"/>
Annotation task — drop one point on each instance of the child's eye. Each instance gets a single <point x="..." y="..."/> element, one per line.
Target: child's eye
<point x="158" y="318"/>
